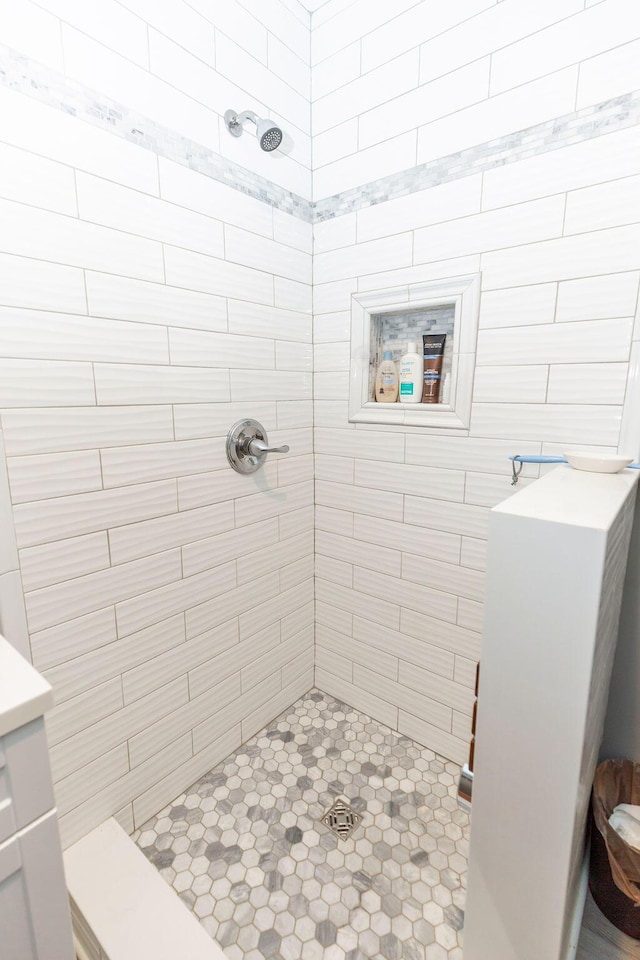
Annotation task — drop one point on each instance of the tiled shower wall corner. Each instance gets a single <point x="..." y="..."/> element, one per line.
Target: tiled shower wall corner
<point x="552" y="220"/>
<point x="144" y="308"/>
<point x="146" y="304"/>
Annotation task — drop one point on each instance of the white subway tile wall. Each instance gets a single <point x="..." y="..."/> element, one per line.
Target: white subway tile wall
<point x="156" y="286"/>
<point x="129" y="288"/>
<point x="402" y="513"/>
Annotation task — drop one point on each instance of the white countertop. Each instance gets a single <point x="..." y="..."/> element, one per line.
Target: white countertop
<point x="576" y="497"/>
<point x="24" y="694"/>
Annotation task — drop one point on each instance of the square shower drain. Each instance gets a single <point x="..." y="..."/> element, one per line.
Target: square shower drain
<point x="341" y="819"/>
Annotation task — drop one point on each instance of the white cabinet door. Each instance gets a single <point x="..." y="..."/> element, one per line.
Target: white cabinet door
<point x="15" y="927"/>
<point x="46" y="890"/>
<point x="34" y="907"/>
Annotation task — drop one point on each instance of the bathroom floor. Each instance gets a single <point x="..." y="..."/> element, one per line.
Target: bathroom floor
<point x="246" y="850"/>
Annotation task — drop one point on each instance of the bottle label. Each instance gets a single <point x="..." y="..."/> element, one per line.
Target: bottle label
<point x="406" y="389"/>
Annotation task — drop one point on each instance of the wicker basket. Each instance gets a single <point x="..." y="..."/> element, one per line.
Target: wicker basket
<point x="616" y="907"/>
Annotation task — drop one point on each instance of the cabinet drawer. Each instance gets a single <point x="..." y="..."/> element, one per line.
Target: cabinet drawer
<point x="25" y="776"/>
<point x="10" y="859"/>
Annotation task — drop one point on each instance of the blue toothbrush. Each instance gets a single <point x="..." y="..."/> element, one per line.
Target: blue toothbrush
<point x="521" y="459"/>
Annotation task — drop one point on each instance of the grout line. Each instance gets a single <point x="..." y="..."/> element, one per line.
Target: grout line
<point x="95" y="387"/>
<point x="75" y="190"/>
<point x="86" y="296"/>
<point x="564" y="217"/>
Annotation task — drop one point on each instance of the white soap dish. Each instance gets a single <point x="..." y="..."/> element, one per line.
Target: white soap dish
<point x="597" y="463"/>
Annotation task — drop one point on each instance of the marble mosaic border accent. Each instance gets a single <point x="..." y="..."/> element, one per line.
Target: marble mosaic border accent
<point x="594" y="121"/>
<point x="28" y="77"/>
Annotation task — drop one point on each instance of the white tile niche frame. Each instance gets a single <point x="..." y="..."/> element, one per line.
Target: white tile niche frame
<point x="463" y="293"/>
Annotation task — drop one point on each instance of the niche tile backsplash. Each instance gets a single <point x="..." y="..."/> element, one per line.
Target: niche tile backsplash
<point x="393" y="330"/>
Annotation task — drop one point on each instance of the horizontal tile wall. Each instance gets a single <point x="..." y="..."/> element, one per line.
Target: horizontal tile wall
<point x="144" y="308"/>
<point x="402" y="514"/>
<point x="401" y="85"/>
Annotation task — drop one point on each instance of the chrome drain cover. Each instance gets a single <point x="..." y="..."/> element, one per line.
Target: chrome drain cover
<point x="342" y="819"/>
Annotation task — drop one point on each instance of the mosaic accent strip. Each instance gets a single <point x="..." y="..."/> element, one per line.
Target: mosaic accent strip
<point x="245" y="847"/>
<point x="394" y="330"/>
<point x="606" y="117"/>
<point x="19" y="73"/>
<point x="23" y="75"/>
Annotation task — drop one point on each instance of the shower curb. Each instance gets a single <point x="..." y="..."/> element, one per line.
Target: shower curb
<point x="121" y="907"/>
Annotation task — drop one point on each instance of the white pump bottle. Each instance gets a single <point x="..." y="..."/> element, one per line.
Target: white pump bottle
<point x="411" y="376"/>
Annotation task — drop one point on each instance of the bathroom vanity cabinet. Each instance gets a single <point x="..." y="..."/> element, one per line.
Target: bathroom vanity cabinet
<point x="34" y="907"/>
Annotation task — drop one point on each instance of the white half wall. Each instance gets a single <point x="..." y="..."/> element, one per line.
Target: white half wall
<point x="622" y="726"/>
<point x="556" y="565"/>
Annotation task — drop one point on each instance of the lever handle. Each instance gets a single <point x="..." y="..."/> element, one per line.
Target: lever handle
<point x="258" y="448"/>
<point x="248" y="446"/>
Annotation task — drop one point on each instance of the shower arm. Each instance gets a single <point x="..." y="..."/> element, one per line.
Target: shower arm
<point x="245" y="115"/>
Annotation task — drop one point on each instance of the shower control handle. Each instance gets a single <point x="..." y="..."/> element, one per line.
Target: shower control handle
<point x="258" y="447"/>
<point x="248" y="446"/>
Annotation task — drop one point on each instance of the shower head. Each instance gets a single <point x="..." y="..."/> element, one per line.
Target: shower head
<point x="268" y="133"/>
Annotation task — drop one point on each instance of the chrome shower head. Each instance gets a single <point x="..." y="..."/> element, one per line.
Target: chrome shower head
<point x="268" y="133"/>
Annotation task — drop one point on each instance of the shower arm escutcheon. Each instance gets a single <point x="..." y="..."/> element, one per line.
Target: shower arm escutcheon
<point x="248" y="446"/>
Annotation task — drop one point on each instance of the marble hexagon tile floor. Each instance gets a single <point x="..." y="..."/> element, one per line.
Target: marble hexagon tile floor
<point x="246" y="850"/>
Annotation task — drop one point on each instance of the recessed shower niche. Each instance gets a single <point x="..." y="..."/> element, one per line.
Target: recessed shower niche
<point x="386" y="320"/>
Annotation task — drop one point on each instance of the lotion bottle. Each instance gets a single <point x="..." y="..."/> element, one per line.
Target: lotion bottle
<point x="411" y="376"/>
<point x="387" y="380"/>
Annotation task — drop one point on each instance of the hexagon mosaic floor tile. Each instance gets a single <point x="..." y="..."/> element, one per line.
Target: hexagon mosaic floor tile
<point x="246" y="849"/>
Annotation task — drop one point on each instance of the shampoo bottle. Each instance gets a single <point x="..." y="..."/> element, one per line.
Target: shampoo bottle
<point x="387" y="380"/>
<point x="433" y="347"/>
<point x="411" y="376"/>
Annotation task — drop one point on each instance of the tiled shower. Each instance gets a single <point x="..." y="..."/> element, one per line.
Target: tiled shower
<point x="160" y="280"/>
<point x="253" y="850"/>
